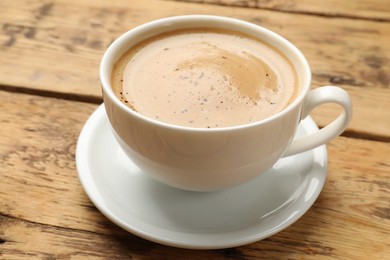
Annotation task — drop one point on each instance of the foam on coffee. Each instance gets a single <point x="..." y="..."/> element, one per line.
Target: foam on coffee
<point x="204" y="78"/>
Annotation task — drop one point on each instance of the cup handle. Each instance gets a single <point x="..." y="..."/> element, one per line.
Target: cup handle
<point x="326" y="94"/>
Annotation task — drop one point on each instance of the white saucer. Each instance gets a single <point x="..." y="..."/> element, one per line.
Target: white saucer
<point x="213" y="220"/>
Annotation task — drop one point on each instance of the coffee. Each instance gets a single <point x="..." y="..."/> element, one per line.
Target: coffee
<point x="204" y="78"/>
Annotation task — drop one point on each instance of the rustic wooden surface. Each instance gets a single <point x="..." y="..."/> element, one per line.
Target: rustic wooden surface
<point x="54" y="48"/>
<point x="49" y="56"/>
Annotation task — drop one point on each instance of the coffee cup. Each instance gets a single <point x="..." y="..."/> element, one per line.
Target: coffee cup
<point x="215" y="158"/>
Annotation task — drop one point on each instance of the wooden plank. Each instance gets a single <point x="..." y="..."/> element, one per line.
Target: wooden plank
<point x="26" y="240"/>
<point x="56" y="47"/>
<point x="42" y="200"/>
<point x="38" y="141"/>
<point x="68" y="39"/>
<point x="372" y="10"/>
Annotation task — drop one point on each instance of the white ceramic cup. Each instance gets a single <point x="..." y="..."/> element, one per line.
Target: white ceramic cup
<point x="212" y="159"/>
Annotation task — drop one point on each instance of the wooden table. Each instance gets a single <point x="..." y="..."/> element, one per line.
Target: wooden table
<point x="49" y="85"/>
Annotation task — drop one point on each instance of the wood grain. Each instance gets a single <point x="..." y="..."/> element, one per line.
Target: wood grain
<point x="372" y="10"/>
<point x="55" y="47"/>
<point x="45" y="214"/>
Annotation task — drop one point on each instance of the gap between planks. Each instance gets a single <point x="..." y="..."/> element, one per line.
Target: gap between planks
<point x="98" y="100"/>
<point x="326" y="15"/>
<point x="2" y="215"/>
<point x="51" y="94"/>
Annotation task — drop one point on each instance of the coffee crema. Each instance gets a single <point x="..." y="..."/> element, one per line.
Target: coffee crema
<point x="204" y="78"/>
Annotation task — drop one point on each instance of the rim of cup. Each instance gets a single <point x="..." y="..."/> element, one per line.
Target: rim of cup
<point x="146" y="30"/>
